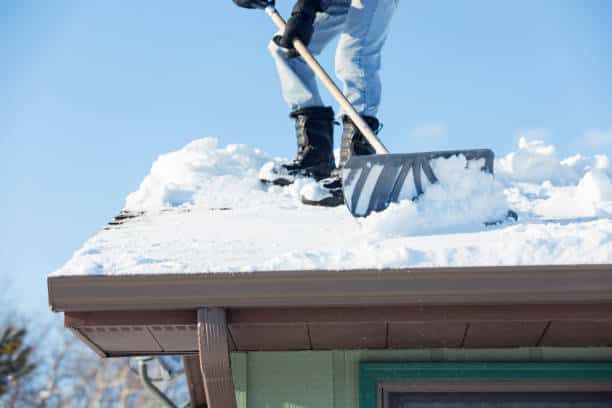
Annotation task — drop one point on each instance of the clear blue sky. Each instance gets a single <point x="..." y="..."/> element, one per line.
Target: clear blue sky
<point x="91" y="92"/>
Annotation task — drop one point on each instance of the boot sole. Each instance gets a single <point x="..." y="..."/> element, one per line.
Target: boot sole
<point x="326" y="202"/>
<point x="278" y="182"/>
<point x="285" y="182"/>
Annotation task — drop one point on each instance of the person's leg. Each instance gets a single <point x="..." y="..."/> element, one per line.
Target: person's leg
<point x="298" y="83"/>
<point x="359" y="52"/>
<point x="314" y="123"/>
<point x="357" y="65"/>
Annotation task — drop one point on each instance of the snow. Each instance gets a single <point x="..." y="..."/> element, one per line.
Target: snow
<point x="315" y="192"/>
<point x="199" y="174"/>
<point x="204" y="210"/>
<point x="537" y="162"/>
<point x="463" y="198"/>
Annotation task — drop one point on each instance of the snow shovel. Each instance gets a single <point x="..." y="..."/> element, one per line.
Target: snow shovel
<point x="370" y="183"/>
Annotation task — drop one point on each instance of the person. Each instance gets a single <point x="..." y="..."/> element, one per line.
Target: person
<point x="362" y="26"/>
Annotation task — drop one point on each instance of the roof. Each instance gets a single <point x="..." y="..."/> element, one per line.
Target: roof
<point x="203" y="210"/>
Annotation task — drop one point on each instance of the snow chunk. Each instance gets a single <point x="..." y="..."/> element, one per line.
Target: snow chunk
<point x="536" y="162"/>
<point x="201" y="173"/>
<point x="595" y="187"/>
<point x="590" y="198"/>
<point x="270" y="171"/>
<point x="464" y="197"/>
<point x="601" y="162"/>
<point x="314" y="191"/>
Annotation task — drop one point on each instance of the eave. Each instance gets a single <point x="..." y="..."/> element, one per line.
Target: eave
<point x="484" y="307"/>
<point x="420" y="286"/>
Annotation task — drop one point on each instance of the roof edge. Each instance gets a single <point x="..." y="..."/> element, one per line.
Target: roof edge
<point x="586" y="283"/>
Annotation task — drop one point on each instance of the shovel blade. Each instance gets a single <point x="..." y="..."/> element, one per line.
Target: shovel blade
<point x="371" y="183"/>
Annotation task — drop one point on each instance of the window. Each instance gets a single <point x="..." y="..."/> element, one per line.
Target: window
<point x="499" y="385"/>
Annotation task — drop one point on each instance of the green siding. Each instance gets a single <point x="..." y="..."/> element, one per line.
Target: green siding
<point x="239" y="371"/>
<point x="290" y="380"/>
<point x="330" y="379"/>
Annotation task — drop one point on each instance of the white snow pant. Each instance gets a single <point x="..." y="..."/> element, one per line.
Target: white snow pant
<point x="363" y="26"/>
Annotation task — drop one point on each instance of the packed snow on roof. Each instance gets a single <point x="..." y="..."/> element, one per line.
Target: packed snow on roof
<point x="203" y="209"/>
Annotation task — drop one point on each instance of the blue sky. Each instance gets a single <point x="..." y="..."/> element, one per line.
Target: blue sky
<point x="93" y="91"/>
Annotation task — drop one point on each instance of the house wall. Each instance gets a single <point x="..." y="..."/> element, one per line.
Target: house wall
<point x="330" y="379"/>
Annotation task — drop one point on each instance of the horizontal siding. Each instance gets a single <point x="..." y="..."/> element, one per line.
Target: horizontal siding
<point x="330" y="379"/>
<point x="239" y="374"/>
<point x="290" y="380"/>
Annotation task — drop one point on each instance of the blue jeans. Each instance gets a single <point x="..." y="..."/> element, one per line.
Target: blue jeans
<point x="363" y="26"/>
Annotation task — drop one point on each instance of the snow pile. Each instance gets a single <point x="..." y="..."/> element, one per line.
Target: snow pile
<point x="574" y="187"/>
<point x="464" y="197"/>
<point x="200" y="174"/>
<point x="590" y="198"/>
<point x="532" y="180"/>
<point x="536" y="162"/>
<point x="206" y="211"/>
<point x="541" y="185"/>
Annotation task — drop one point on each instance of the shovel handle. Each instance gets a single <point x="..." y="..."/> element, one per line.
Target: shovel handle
<point x="330" y="85"/>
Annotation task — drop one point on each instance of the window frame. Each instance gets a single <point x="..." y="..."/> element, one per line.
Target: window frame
<point x="376" y="380"/>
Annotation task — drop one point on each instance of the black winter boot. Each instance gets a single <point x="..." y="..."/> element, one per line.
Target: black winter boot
<point x="328" y="192"/>
<point x="353" y="141"/>
<point x="314" y="128"/>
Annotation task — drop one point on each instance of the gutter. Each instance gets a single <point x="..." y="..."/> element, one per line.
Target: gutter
<point x="546" y="284"/>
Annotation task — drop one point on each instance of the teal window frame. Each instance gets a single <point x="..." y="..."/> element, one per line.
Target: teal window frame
<point x="371" y="374"/>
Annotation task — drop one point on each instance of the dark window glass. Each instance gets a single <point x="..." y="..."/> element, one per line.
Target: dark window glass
<point x="500" y="400"/>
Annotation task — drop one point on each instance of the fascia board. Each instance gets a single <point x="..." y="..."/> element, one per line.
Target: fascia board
<point x="454" y="285"/>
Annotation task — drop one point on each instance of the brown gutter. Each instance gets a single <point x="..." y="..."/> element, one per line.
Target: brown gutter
<point x="422" y="286"/>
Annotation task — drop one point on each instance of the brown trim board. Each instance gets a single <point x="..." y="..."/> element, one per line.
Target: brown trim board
<point x="353" y="327"/>
<point x="421" y="286"/>
<point x="93" y="346"/>
<point x="356" y="314"/>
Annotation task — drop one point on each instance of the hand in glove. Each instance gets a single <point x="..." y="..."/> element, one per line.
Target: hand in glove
<point x="260" y="4"/>
<point x="299" y="25"/>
